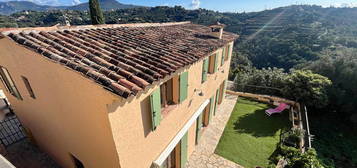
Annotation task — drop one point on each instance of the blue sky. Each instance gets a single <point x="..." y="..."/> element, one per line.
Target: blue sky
<point x="218" y="5"/>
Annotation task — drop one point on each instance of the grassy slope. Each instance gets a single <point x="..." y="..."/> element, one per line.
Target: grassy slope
<point x="250" y="136"/>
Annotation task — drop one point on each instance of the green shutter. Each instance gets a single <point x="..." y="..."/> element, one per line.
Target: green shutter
<point x="155" y="101"/>
<point x="216" y="63"/>
<point x="224" y="89"/>
<point x="204" y="70"/>
<point x="198" y="128"/>
<point x="211" y="107"/>
<point x="184" y="150"/>
<point x="223" y="52"/>
<point x="229" y="51"/>
<point x="216" y="102"/>
<point x="183" y="86"/>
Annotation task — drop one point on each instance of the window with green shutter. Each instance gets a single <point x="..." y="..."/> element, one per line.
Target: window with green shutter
<point x="211" y="63"/>
<point x="216" y="102"/>
<point x="216" y="63"/>
<point x="211" y="107"/>
<point x="155" y="101"/>
<point x="204" y="70"/>
<point x="224" y="88"/>
<point x="183" y="86"/>
<point x="222" y="58"/>
<point x="227" y="53"/>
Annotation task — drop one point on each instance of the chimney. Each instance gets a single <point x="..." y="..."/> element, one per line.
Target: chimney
<point x="217" y="30"/>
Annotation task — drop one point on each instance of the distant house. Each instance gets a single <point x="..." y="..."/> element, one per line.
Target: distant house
<point x="130" y="96"/>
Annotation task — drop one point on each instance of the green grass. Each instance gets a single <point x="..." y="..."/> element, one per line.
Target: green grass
<point x="250" y="136"/>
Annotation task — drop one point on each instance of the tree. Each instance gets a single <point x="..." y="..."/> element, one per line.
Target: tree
<point x="307" y="87"/>
<point x="96" y="13"/>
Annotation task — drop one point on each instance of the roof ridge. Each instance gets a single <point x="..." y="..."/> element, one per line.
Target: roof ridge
<point x="7" y="31"/>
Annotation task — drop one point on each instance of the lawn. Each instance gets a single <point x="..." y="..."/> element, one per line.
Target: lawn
<point x="250" y="136"/>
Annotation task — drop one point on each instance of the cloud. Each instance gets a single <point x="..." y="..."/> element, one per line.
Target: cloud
<point x="46" y="2"/>
<point x="195" y="4"/>
<point x="343" y="5"/>
<point x="76" y="2"/>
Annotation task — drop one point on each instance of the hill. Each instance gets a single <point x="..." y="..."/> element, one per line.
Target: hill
<point x="10" y="7"/>
<point x="7" y="8"/>
<point x="104" y="4"/>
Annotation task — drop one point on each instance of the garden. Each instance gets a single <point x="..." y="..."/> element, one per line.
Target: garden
<point x="253" y="139"/>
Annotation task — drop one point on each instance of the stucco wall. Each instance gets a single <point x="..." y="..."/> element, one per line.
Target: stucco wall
<point x="136" y="144"/>
<point x="69" y="114"/>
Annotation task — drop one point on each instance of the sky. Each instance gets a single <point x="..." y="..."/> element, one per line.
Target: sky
<point x="217" y="5"/>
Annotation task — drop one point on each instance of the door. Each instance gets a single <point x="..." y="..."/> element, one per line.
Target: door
<point x="174" y="159"/>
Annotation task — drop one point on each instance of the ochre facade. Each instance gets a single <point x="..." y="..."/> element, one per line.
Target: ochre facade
<point x="73" y="115"/>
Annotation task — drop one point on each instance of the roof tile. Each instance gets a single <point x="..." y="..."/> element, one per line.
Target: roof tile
<point x="124" y="59"/>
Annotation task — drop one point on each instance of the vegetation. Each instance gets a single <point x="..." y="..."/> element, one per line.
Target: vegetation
<point x="306" y="87"/>
<point x="296" y="159"/>
<point x="293" y="137"/>
<point x="96" y="13"/>
<point x="334" y="141"/>
<point x="302" y="86"/>
<point x="246" y="142"/>
<point x="10" y="7"/>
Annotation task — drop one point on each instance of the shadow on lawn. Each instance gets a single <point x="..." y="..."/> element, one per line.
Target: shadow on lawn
<point x="258" y="124"/>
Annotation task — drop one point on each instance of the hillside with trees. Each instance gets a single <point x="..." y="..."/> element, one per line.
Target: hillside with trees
<point x="275" y="46"/>
<point x="10" y="7"/>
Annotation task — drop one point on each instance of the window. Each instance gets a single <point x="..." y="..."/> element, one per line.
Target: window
<point x="204" y="70"/>
<point x="212" y="65"/>
<point x="77" y="162"/>
<point x="170" y="93"/>
<point x="227" y="52"/>
<point x="9" y="83"/>
<point x="28" y="87"/>
<point x="223" y="54"/>
<point x="222" y="90"/>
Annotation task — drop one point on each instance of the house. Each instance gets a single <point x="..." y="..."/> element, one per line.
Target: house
<point x="130" y="96"/>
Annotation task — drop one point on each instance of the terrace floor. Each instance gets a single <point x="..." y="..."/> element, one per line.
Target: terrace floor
<point x="24" y="154"/>
<point x="250" y="136"/>
<point x="204" y="156"/>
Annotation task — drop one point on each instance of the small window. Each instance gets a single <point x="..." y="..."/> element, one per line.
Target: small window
<point x="77" y="162"/>
<point x="28" y="87"/>
<point x="9" y="83"/>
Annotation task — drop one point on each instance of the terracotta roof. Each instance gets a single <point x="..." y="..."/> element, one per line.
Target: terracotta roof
<point x="123" y="58"/>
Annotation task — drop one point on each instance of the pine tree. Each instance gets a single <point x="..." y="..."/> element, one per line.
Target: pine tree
<point x="96" y="13"/>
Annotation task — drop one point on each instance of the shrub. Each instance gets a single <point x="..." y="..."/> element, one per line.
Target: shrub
<point x="296" y="159"/>
<point x="293" y="137"/>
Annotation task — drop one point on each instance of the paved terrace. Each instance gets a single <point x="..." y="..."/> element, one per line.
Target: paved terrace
<point x="204" y="156"/>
